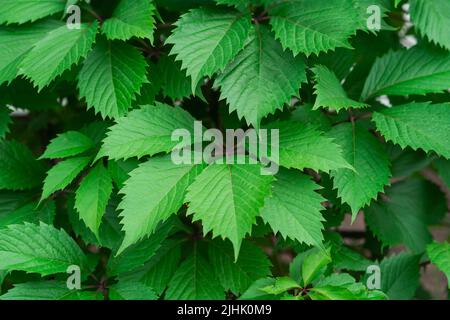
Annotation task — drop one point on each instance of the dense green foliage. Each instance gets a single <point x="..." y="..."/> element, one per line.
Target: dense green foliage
<point x="87" y="179"/>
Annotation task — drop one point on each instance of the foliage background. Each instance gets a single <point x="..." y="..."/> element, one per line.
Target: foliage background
<point x="86" y="117"/>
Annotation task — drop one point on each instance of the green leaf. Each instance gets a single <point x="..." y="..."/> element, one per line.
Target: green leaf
<point x="296" y="265"/>
<point x="415" y="71"/>
<point x="70" y="143"/>
<point x="47" y="290"/>
<point x="3" y="275"/>
<point x="343" y="287"/>
<point x="152" y="87"/>
<point x="400" y="276"/>
<point x="314" y="26"/>
<point x="354" y="291"/>
<point x="244" y="4"/>
<point x="405" y="206"/>
<point x="13" y="200"/>
<point x="27" y="213"/>
<point x="137" y="255"/>
<point x="5" y="121"/>
<point x="439" y="254"/>
<point x="62" y="174"/>
<point x="314" y="263"/>
<point x="337" y="279"/>
<point x="330" y="93"/>
<point x="348" y="259"/>
<point x="207" y="39"/>
<point x="110" y="231"/>
<point x="406" y="162"/>
<point x="16" y="42"/>
<point x="21" y="94"/>
<point x="294" y="208"/>
<point x="443" y="168"/>
<point x="430" y="19"/>
<point x="96" y="131"/>
<point x="194" y="280"/>
<point x="19" y="168"/>
<point x="417" y="125"/>
<point x="174" y="81"/>
<point x="154" y="192"/>
<point x="262" y="77"/>
<point x="39" y="248"/>
<point x="305" y="114"/>
<point x="147" y="131"/>
<point x="21" y="11"/>
<point x="161" y="267"/>
<point x="228" y="198"/>
<point x="44" y="63"/>
<point x="331" y="293"/>
<point x="281" y="285"/>
<point x="435" y="201"/>
<point x="256" y="292"/>
<point x="70" y="3"/>
<point x="92" y="197"/>
<point x="303" y="147"/>
<point x="131" y="18"/>
<point x="111" y="76"/>
<point x="182" y="5"/>
<point x="131" y="207"/>
<point x="120" y="169"/>
<point x="368" y="157"/>
<point x="131" y="290"/>
<point x="237" y="277"/>
<point x="366" y="15"/>
<point x="237" y="3"/>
